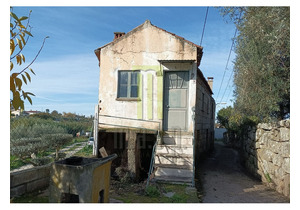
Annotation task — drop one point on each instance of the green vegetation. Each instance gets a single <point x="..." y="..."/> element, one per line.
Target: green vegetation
<point x="34" y="197"/>
<point x="36" y="137"/>
<point x="32" y="138"/>
<point x="268" y="177"/>
<point x="154" y="193"/>
<point x="87" y="151"/>
<point x="261" y="68"/>
<point x="262" y="64"/>
<point x="237" y="124"/>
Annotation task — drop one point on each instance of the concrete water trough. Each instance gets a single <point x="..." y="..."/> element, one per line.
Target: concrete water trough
<point x="80" y="180"/>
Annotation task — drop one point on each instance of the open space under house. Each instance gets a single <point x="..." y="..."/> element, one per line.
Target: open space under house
<point x="153" y="97"/>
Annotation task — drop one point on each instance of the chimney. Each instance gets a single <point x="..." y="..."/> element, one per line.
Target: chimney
<point x="210" y="81"/>
<point x="118" y="34"/>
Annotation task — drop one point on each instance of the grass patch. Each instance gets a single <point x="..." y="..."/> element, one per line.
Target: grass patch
<point x="16" y="162"/>
<point x="86" y="151"/>
<point x="154" y="193"/>
<point x="176" y="198"/>
<point x="35" y="197"/>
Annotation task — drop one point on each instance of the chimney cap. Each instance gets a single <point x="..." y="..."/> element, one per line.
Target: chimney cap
<point x="119" y="33"/>
<point x="210" y="78"/>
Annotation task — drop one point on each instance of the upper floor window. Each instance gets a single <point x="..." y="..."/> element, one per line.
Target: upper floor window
<point x="128" y="84"/>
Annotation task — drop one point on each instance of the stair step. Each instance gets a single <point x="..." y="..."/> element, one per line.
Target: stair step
<point x="174" y="149"/>
<point x="177" y="139"/>
<point x="174" y="166"/>
<point x="174" y="159"/>
<point x="173" y="179"/>
<point x="172" y="155"/>
<point x="176" y="172"/>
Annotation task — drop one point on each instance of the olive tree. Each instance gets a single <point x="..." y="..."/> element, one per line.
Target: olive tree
<point x="36" y="136"/>
<point x="262" y="64"/>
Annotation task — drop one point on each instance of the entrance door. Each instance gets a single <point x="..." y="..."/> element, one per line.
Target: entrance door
<point x="176" y="85"/>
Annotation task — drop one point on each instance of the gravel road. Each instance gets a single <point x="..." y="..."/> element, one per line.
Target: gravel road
<point x="224" y="180"/>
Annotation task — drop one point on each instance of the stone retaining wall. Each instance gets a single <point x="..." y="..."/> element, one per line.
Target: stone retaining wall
<point x="29" y="180"/>
<point x="266" y="154"/>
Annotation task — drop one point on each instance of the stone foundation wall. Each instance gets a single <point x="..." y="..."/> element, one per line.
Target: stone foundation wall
<point x="266" y="154"/>
<point x="29" y="180"/>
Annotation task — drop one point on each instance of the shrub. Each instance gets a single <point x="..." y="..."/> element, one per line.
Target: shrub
<point x="178" y="198"/>
<point x="41" y="161"/>
<point x="236" y="123"/>
<point x="152" y="191"/>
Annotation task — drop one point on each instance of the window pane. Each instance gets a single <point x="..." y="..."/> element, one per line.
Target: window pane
<point x="134" y="78"/>
<point x="123" y="77"/>
<point x="134" y="91"/>
<point x="123" y="91"/>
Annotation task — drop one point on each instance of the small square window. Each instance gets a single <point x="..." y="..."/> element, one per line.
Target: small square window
<point x="128" y="84"/>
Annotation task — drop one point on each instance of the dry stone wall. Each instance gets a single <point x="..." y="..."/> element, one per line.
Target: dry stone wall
<point x="266" y="152"/>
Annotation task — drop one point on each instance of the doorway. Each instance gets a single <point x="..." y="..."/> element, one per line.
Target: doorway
<point x="176" y="85"/>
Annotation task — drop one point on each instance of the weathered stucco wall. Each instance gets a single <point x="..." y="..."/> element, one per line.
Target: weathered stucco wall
<point x="204" y="118"/>
<point x="141" y="49"/>
<point x="267" y="154"/>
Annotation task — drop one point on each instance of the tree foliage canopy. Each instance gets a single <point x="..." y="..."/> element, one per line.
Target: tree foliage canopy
<point x="33" y="135"/>
<point x="262" y="65"/>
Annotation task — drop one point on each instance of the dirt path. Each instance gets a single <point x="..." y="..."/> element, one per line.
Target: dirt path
<point x="225" y="182"/>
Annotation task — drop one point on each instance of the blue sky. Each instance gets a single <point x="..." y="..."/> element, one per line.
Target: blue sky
<point x="67" y="72"/>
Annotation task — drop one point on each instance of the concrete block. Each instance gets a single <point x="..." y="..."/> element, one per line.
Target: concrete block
<point x="17" y="191"/>
<point x="38" y="184"/>
<point x="44" y="171"/>
<point x="21" y="177"/>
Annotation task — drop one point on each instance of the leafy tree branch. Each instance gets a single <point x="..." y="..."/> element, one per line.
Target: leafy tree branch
<point x="19" y="36"/>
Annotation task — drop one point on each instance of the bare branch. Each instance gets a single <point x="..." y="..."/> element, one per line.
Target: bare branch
<point x="35" y="56"/>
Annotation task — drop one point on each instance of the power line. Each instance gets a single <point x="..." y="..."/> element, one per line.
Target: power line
<point x="231" y="87"/>
<point x="204" y="26"/>
<point x="228" y="62"/>
<point x="227" y="85"/>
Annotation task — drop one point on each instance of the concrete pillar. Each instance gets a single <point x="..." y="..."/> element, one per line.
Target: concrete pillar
<point x="131" y="152"/>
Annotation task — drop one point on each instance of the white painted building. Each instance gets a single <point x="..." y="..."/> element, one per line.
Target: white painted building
<point x="151" y="88"/>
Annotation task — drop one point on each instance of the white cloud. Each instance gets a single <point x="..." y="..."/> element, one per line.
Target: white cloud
<point x="68" y="83"/>
<point x="77" y="74"/>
